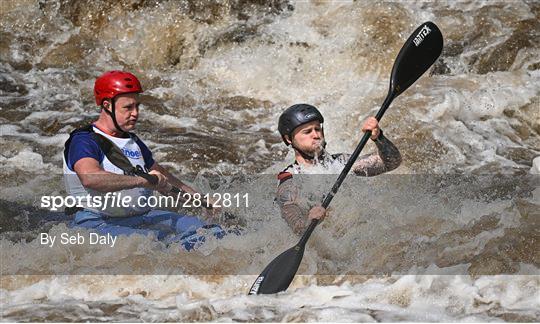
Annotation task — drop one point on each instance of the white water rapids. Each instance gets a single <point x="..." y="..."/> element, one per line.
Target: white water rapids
<point x="216" y="77"/>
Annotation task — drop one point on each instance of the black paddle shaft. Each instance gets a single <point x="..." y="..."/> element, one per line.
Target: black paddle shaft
<point x="115" y="155"/>
<point x="328" y="198"/>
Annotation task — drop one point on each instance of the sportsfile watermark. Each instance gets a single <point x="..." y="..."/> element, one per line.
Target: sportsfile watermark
<point x="390" y="224"/>
<point x="121" y="200"/>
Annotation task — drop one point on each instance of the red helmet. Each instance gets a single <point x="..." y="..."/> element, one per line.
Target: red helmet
<point x="111" y="84"/>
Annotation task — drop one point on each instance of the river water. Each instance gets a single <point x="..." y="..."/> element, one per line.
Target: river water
<point x="451" y="235"/>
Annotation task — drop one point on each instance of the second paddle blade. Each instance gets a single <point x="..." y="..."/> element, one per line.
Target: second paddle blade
<point x="279" y="274"/>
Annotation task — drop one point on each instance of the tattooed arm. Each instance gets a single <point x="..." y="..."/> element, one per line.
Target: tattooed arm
<point x="287" y="199"/>
<point x="387" y="159"/>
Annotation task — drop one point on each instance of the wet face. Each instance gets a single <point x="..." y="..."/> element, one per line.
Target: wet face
<point x="126" y="110"/>
<point x="309" y="138"/>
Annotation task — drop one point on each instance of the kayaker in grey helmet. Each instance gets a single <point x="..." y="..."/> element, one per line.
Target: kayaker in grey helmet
<point x="301" y="127"/>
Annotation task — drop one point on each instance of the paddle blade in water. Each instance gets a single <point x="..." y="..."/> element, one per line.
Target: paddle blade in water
<point x="279" y="274"/>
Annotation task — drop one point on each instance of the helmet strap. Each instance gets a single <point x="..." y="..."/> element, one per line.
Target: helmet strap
<point x="112" y="113"/>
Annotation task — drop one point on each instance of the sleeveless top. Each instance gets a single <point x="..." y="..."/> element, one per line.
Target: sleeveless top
<point x="81" y="144"/>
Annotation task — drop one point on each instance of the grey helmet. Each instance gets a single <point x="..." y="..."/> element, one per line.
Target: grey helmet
<point x="297" y="115"/>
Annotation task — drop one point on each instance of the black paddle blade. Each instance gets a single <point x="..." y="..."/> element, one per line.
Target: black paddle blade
<point x="279" y="274"/>
<point x="418" y="53"/>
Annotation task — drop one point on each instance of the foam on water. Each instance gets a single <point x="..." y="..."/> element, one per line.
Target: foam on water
<point x="403" y="298"/>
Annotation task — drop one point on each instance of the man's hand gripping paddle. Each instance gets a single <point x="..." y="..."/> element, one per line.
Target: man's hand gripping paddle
<point x="418" y="53"/>
<point x="115" y="155"/>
